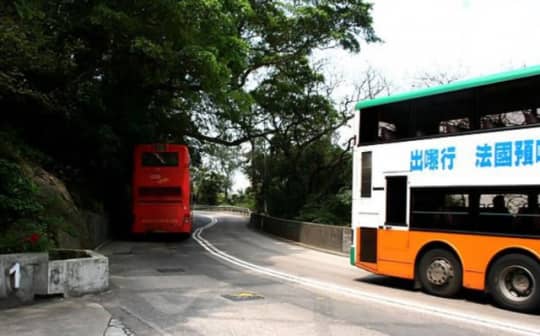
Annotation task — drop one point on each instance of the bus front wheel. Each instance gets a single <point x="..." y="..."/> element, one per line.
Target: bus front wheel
<point x="514" y="281"/>
<point x="440" y="273"/>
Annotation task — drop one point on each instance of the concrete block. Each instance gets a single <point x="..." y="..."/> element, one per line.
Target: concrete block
<point x="31" y="269"/>
<point x="40" y="278"/>
<point x="79" y="276"/>
<point x="56" y="277"/>
<point x="88" y="276"/>
<point x="72" y="276"/>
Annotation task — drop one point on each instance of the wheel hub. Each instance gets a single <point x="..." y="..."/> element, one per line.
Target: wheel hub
<point x="439" y="272"/>
<point x="521" y="283"/>
<point x="517" y="283"/>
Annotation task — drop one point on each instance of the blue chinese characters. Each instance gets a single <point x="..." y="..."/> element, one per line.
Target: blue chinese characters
<point x="433" y="159"/>
<point x="501" y="154"/>
<point x="507" y="154"/>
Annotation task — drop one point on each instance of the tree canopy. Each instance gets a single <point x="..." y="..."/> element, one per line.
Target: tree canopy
<point x="84" y="81"/>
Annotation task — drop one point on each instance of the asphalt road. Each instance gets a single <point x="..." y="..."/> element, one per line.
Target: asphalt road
<point x="230" y="280"/>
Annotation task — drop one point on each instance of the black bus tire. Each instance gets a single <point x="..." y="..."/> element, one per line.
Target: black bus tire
<point x="440" y="273"/>
<point x="514" y="283"/>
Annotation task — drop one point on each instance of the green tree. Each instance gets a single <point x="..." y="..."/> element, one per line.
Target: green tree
<point x="223" y="160"/>
<point x="308" y="183"/>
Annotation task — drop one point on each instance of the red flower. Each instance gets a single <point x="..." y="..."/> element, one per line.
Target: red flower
<point x="33" y="238"/>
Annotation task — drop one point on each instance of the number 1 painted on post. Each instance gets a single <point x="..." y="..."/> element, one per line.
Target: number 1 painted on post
<point x="16" y="270"/>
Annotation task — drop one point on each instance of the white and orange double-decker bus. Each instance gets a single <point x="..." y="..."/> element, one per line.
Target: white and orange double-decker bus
<point x="446" y="187"/>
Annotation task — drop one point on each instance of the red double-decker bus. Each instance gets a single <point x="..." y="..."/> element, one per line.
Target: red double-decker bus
<point x="161" y="189"/>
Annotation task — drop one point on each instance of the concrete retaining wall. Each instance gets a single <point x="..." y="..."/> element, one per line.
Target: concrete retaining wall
<point x="97" y="226"/>
<point x="222" y="208"/>
<point x="328" y="237"/>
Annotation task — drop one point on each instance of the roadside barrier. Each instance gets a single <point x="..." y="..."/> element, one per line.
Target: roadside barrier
<point x="328" y="237"/>
<point x="222" y="208"/>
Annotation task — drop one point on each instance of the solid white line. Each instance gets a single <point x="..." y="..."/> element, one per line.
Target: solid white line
<point x="480" y="320"/>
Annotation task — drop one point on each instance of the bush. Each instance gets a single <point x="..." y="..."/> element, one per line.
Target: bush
<point x="25" y="236"/>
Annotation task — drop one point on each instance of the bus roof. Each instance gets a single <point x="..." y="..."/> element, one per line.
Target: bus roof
<point x="454" y="86"/>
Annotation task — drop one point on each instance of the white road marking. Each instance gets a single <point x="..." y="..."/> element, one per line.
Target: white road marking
<point x="480" y="320"/>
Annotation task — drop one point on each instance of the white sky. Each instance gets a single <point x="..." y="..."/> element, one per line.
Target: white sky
<point x="467" y="38"/>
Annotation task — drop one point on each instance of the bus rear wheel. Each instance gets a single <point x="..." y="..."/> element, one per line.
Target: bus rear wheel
<point x="514" y="281"/>
<point x="440" y="273"/>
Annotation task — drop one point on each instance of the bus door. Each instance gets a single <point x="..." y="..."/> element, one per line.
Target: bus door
<point x="393" y="235"/>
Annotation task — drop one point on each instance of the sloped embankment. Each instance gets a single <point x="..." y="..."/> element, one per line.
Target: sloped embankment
<point x="38" y="211"/>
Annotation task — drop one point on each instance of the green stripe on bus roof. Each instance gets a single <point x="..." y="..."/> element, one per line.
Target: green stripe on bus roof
<point x="455" y="86"/>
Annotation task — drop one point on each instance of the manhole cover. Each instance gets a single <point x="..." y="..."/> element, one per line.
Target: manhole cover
<point x="243" y="296"/>
<point x="170" y="270"/>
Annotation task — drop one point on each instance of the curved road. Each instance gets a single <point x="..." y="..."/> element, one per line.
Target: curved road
<point x="230" y="280"/>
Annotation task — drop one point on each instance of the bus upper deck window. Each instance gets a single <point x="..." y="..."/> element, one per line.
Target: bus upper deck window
<point x="531" y="116"/>
<point x="159" y="159"/>
<point x="510" y="118"/>
<point x="454" y="126"/>
<point x="387" y="131"/>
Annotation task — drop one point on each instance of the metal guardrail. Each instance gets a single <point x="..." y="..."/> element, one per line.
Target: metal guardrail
<point x="222" y="208"/>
